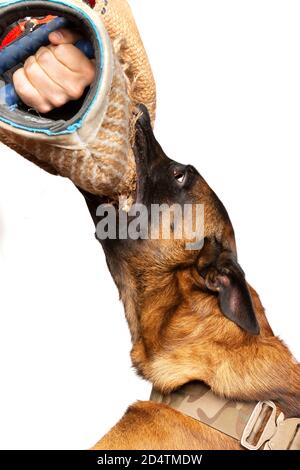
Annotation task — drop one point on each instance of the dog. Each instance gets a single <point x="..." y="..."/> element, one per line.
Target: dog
<point x="192" y="315"/>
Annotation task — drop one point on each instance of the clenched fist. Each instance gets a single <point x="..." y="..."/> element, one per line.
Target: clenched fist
<point x="56" y="74"/>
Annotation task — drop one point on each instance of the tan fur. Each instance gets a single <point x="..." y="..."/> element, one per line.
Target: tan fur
<point x="194" y="341"/>
<point x="141" y="429"/>
<point x="182" y="328"/>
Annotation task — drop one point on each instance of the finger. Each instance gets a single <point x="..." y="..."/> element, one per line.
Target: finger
<point x="75" y="60"/>
<point x="47" y="88"/>
<point x="28" y="94"/>
<point x="72" y="84"/>
<point x="64" y="36"/>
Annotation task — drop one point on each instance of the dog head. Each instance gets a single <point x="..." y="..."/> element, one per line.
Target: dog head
<point x="178" y="299"/>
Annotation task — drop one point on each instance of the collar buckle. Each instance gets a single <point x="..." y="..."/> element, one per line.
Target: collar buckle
<point x="254" y="425"/>
<point x="278" y="433"/>
<point x="287" y="436"/>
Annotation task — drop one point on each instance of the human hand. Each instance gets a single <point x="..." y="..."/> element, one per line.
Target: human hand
<point x="56" y="74"/>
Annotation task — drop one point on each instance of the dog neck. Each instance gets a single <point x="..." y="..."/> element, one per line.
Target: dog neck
<point x="232" y="363"/>
<point x="179" y="335"/>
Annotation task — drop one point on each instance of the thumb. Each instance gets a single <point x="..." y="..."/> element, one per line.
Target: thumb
<point x="64" y="36"/>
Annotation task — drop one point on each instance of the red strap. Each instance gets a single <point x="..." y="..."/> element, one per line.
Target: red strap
<point x="19" y="28"/>
<point x="12" y="35"/>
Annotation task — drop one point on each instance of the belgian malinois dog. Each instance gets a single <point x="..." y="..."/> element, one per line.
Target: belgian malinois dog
<point x="192" y="315"/>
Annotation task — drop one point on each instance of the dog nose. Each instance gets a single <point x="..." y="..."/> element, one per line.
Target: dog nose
<point x="144" y="117"/>
<point x="147" y="150"/>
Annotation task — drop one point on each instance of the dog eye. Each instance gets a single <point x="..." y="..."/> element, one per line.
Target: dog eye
<point x="180" y="176"/>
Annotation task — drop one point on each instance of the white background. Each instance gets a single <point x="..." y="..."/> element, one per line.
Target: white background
<point x="228" y="80"/>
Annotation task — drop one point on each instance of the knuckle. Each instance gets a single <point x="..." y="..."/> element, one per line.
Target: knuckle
<point x="52" y="49"/>
<point x="30" y="60"/>
<point x="18" y="75"/>
<point x="75" y="91"/>
<point x="20" y="84"/>
<point x="44" y="108"/>
<point x="43" y="56"/>
<point x="90" y="74"/>
<point x="61" y="50"/>
<point x="58" y="101"/>
<point x="30" y="65"/>
<point x="21" y="89"/>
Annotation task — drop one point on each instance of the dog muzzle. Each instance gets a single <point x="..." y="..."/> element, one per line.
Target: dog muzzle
<point x="88" y="140"/>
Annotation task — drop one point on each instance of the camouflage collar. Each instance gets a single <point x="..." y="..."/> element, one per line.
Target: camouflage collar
<point x="243" y="421"/>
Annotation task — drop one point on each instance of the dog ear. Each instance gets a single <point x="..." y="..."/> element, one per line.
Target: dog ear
<point x="224" y="276"/>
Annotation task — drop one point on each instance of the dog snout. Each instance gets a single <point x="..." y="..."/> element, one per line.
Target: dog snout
<point x="147" y="150"/>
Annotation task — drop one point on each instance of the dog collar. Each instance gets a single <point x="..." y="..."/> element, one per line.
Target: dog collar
<point x="242" y="421"/>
